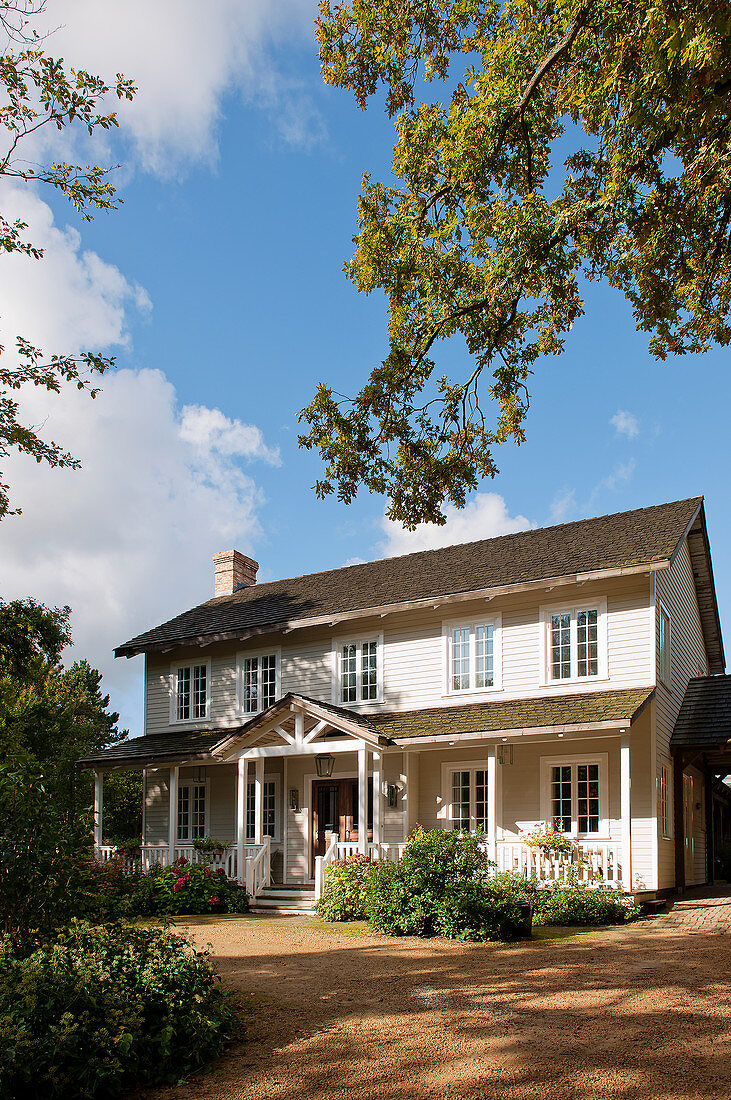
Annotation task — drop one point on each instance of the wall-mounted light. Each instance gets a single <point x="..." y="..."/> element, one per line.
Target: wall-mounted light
<point x="505" y="754"/>
<point x="294" y="799"/>
<point x="324" y="765"/>
<point x="392" y="791"/>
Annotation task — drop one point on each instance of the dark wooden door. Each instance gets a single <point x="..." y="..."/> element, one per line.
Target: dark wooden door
<point x="335" y="810"/>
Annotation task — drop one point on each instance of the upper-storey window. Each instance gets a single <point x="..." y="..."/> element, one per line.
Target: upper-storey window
<point x="575" y="642"/>
<point x="358" y="670"/>
<point x="664" y="667"/>
<point x="189" y="692"/>
<point x="258" y="677"/>
<point x="473" y="655"/>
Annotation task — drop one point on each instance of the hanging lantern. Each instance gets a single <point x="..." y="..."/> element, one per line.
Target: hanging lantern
<point x="324" y="765"/>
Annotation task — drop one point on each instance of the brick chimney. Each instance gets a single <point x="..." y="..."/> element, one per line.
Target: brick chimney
<point x="232" y="569"/>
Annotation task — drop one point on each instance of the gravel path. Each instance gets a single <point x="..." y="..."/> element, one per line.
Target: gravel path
<point x="639" y="1012"/>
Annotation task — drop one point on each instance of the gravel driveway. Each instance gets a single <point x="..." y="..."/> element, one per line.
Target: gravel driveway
<point x="335" y="1013"/>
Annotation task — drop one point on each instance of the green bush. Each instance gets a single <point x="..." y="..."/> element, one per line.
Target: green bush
<point x="97" y="1009"/>
<point x="444" y="885"/>
<point x="346" y="890"/>
<point x="582" y="905"/>
<point x="181" y="889"/>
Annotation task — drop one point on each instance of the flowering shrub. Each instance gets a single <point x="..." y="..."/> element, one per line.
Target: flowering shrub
<point x="346" y="889"/>
<point x="581" y="904"/>
<point x="95" y="1010"/>
<point x="187" y="888"/>
<point x="548" y="836"/>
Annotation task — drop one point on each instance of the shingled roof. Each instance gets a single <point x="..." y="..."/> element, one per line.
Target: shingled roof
<point x="579" y="710"/>
<point x="705" y="714"/>
<point x="622" y="540"/>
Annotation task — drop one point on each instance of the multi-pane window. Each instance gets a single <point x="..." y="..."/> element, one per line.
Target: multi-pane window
<point x="191" y="692"/>
<point x="665" y="667"/>
<point x="191" y="811"/>
<point x="575" y="797"/>
<point x="269" y="802"/>
<point x="663" y="800"/>
<point x="358" y="671"/>
<point x="573" y="643"/>
<point x="472" y="658"/>
<point x="468" y="799"/>
<point x="258" y="682"/>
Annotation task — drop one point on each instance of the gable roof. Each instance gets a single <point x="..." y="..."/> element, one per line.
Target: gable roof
<point x="622" y="541"/>
<point x="705" y="714"/>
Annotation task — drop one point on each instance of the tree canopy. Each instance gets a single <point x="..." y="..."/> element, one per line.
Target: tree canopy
<point x="568" y="140"/>
<point x="39" y="91"/>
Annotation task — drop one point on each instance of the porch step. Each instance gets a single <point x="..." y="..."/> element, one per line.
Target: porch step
<point x="285" y="900"/>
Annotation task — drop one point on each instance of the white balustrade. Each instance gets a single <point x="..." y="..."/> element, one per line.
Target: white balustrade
<point x="332" y="852"/>
<point x="258" y="867"/>
<point x="591" y="862"/>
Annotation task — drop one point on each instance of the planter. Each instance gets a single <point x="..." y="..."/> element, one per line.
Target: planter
<point x="526" y="918"/>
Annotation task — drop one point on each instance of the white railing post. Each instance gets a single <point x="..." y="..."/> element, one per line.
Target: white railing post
<point x="98" y="807"/>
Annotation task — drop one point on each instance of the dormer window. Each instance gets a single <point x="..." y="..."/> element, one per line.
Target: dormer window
<point x="189" y="692"/>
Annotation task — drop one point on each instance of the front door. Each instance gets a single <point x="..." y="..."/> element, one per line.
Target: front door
<point x="335" y="810"/>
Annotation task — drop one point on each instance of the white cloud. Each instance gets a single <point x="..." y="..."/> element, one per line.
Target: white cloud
<point x="185" y="59"/>
<point x="563" y="506"/>
<point x="69" y="300"/>
<point x="621" y="474"/>
<point x="127" y="540"/>
<point x="484" y="517"/>
<point x="625" y="423"/>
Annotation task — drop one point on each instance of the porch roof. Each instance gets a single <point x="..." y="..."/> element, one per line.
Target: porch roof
<point x="703" y="726"/>
<point x="512" y="714"/>
<point x="579" y="710"/>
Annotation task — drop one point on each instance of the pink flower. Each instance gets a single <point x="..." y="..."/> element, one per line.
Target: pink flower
<point x="182" y="861"/>
<point x="221" y="871"/>
<point x="215" y="900"/>
<point x="206" y="872"/>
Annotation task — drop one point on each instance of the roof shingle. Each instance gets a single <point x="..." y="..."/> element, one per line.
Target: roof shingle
<point x="705" y="713"/>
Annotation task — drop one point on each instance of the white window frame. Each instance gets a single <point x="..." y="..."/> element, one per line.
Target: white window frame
<point x="546" y="612"/>
<point x="189" y="840"/>
<point x="269" y="651"/>
<point x="448" y="770"/>
<point x="276" y="780"/>
<point x="664" y="675"/>
<point x="664" y="802"/>
<point x="568" y="759"/>
<point x="357" y="641"/>
<point x="496" y="622"/>
<point x="188" y="663"/>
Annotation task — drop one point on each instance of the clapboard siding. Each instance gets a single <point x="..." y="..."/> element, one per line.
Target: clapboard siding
<point x="675" y="589"/>
<point x="413" y="654"/>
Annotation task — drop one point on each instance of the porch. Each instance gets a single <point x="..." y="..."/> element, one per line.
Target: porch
<point x="286" y="796"/>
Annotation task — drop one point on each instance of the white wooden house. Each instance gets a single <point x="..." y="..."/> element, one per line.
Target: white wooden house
<point x="536" y="676"/>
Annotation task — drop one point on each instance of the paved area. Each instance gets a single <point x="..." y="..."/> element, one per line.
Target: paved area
<point x="335" y="1013"/>
<point x="701" y="910"/>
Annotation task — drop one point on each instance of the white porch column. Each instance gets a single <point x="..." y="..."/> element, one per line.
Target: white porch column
<point x="492" y="803"/>
<point x="173" y="813"/>
<point x="625" y="803"/>
<point x="98" y="807"/>
<point x="363" y="800"/>
<point x="259" y="803"/>
<point x="241" y="785"/>
<point x="377" y="796"/>
<point x="410" y="797"/>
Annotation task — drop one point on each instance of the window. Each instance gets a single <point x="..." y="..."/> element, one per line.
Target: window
<point x="189" y="693"/>
<point x="259" y="681"/>
<point x="358" y="672"/>
<point x="575" y="642"/>
<point x="191" y="811"/>
<point x="467" y="798"/>
<point x="472" y="655"/>
<point x="269" y="819"/>
<point x="663" y="801"/>
<point x="574" y="794"/>
<point x="665" y="667"/>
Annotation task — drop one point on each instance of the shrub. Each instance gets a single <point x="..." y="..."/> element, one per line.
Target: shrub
<point x="346" y="890"/>
<point x="186" y="888"/>
<point x="443" y="885"/>
<point x="97" y="1009"/>
<point x="583" y="905"/>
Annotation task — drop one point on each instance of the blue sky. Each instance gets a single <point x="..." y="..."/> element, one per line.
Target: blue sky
<point x="219" y="287"/>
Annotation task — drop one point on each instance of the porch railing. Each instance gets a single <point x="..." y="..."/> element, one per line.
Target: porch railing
<point x="323" y="862"/>
<point x="258" y="867"/>
<point x="151" y="854"/>
<point x="588" y="862"/>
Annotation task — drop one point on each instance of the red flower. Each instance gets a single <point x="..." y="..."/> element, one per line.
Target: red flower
<point x="182" y="861"/>
<point x="206" y="872"/>
<point x="221" y="871"/>
<point x="215" y="900"/>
